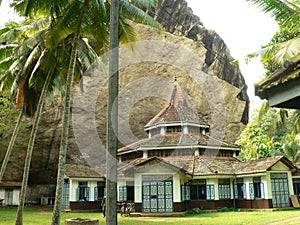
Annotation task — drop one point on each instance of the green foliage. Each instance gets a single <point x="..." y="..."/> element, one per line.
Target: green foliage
<point x="8" y="117"/>
<point x="283" y="36"/>
<point x="272" y="132"/>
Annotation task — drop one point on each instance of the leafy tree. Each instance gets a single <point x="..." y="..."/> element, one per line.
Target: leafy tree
<point x="8" y="119"/>
<point x="272" y="132"/>
<point x="264" y="135"/>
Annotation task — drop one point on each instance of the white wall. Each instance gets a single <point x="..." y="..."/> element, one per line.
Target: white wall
<point x="91" y="183"/>
<point x="158" y="169"/>
<point x="16" y="194"/>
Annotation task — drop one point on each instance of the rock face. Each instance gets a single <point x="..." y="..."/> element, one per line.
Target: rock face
<point x="197" y="58"/>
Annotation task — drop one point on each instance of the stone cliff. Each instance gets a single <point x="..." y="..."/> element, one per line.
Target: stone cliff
<point x="196" y="57"/>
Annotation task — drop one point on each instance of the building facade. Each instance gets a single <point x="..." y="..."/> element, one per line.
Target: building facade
<point x="179" y="167"/>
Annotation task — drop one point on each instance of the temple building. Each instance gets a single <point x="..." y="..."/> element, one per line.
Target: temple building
<point x="180" y="166"/>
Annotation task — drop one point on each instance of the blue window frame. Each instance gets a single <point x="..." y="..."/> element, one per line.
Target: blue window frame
<point x="210" y="192"/>
<point x="83" y="192"/>
<point x="185" y="193"/>
<point x="126" y="193"/>
<point x="202" y="191"/>
<point x="224" y="189"/>
<point x="257" y="188"/>
<point x="99" y="193"/>
<point x="240" y="189"/>
<point x="296" y="185"/>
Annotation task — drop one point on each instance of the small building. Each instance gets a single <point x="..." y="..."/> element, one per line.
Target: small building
<point x="9" y="193"/>
<point x="84" y="188"/>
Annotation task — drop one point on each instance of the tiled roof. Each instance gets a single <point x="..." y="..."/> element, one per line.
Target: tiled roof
<point x="213" y="165"/>
<point x="82" y="171"/>
<point x="261" y="165"/>
<point x="10" y="184"/>
<point x="177" y="140"/>
<point x="203" y="165"/>
<point x="125" y="167"/>
<point x="177" y="110"/>
<point x="279" y="77"/>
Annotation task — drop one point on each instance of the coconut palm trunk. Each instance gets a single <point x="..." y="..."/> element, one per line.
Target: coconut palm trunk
<point x="19" y="217"/>
<point x="66" y="120"/>
<point x="11" y="144"/>
<point x="112" y="116"/>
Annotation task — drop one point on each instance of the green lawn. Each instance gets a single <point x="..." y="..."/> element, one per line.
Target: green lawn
<point x="34" y="216"/>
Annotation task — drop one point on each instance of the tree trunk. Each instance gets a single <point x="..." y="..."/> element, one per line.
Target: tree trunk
<point x="19" y="217"/>
<point x="11" y="144"/>
<point x="66" y="121"/>
<point x="112" y="116"/>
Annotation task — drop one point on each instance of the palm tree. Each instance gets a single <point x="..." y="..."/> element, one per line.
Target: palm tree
<point x="287" y="14"/>
<point x="66" y="119"/>
<point x="130" y="11"/>
<point x="112" y="116"/>
<point x="19" y="218"/>
<point x="12" y="34"/>
<point x="31" y="73"/>
<point x="291" y="149"/>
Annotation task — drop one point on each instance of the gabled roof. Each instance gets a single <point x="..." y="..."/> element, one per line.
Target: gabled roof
<point x="178" y="140"/>
<point x="82" y="171"/>
<point x="262" y="165"/>
<point x="135" y="164"/>
<point x="177" y="110"/>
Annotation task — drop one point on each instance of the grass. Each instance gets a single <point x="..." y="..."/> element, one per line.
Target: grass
<point x="37" y="216"/>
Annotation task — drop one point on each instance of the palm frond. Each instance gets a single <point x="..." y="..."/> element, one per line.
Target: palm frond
<point x="144" y="3"/>
<point x="64" y="26"/>
<point x="282" y="10"/>
<point x="287" y="50"/>
<point x="137" y="15"/>
<point x="39" y="7"/>
<point x="87" y="55"/>
<point x="96" y="29"/>
<point x="127" y="33"/>
<point x="263" y="110"/>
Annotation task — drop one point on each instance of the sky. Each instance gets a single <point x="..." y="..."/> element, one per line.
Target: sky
<point x="242" y="26"/>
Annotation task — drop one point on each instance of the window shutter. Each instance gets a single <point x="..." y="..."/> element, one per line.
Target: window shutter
<point x="210" y="192"/>
<point x="236" y="194"/>
<point x="244" y="191"/>
<point x="96" y="194"/>
<point x="183" y="193"/>
<point x="251" y="187"/>
<point x="87" y="193"/>
<point x="188" y="196"/>
<point x="122" y="193"/>
<point x="77" y="193"/>
<point x="262" y="190"/>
